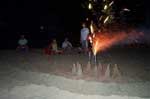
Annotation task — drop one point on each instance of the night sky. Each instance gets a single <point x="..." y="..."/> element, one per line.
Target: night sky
<point x="61" y="18"/>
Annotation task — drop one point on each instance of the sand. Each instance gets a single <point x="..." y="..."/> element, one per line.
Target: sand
<point x="36" y="76"/>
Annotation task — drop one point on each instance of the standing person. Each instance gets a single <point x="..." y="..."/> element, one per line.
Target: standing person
<point x="84" y="37"/>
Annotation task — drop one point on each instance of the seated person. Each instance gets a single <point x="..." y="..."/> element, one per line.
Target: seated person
<point x="66" y="45"/>
<point x="22" y="43"/>
<point x="52" y="48"/>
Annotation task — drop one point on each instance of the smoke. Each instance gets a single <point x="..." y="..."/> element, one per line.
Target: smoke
<point x="102" y="41"/>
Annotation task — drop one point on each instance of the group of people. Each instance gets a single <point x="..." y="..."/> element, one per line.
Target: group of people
<point x="53" y="46"/>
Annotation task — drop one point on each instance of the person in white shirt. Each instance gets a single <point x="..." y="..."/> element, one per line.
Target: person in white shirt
<point x="84" y="37"/>
<point x="66" y="44"/>
<point x="22" y="43"/>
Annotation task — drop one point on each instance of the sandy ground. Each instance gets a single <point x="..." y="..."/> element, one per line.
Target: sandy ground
<point x="34" y="75"/>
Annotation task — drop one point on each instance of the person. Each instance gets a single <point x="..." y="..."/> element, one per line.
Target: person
<point x="52" y="48"/>
<point x="54" y="45"/>
<point x="22" y="43"/>
<point x="84" y="37"/>
<point x="66" y="45"/>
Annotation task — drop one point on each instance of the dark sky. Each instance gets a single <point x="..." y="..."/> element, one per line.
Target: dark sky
<point x="28" y="15"/>
<point x="19" y="16"/>
<point x="31" y="13"/>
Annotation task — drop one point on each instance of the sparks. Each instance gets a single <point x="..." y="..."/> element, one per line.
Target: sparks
<point x="90" y="6"/>
<point x="95" y="47"/>
<point x="105" y="7"/>
<point x="126" y="9"/>
<point x="110" y="4"/>
<point x="90" y="39"/>
<point x="92" y="29"/>
<point x="106" y="19"/>
<point x="87" y="19"/>
<point x="100" y="18"/>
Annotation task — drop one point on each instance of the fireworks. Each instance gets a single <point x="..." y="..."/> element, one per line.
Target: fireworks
<point x="126" y="9"/>
<point x="90" y="6"/>
<point x="102" y="41"/>
<point x="100" y="18"/>
<point x="106" y="19"/>
<point x="91" y="28"/>
<point x="110" y="4"/>
<point x="105" y="7"/>
<point x="87" y="19"/>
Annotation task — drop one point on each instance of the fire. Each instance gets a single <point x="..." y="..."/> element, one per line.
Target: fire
<point x="102" y="41"/>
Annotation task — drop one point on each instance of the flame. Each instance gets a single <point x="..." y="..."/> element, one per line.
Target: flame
<point x="106" y="40"/>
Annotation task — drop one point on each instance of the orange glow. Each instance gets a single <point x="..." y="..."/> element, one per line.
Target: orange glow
<point x="102" y="41"/>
